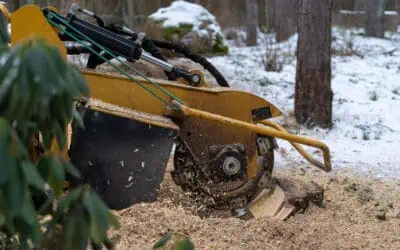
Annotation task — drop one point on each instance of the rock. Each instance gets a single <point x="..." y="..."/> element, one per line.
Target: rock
<point x="189" y="23"/>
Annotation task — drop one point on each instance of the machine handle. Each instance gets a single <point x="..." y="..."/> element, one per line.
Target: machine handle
<point x="327" y="167"/>
<point x="300" y="149"/>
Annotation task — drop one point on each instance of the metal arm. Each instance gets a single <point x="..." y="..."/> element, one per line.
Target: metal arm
<point x="126" y="48"/>
<point x="273" y="132"/>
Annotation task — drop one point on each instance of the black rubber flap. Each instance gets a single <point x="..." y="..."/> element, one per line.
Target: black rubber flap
<point x="123" y="159"/>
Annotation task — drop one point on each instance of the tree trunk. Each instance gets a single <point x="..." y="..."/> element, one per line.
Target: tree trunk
<point x="130" y="13"/>
<point x="374" y="25"/>
<point x="252" y="22"/>
<point x="313" y="97"/>
<point x="13" y="5"/>
<point x="270" y="12"/>
<point x="397" y="6"/>
<point x="262" y="14"/>
<point x="360" y="5"/>
<point x="41" y="3"/>
<point x="285" y="18"/>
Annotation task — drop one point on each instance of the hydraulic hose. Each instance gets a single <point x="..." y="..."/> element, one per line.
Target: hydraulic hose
<point x="185" y="51"/>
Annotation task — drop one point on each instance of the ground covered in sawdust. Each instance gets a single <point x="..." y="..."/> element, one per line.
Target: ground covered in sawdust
<point x="358" y="213"/>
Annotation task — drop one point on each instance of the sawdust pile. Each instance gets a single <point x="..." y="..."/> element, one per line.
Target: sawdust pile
<point x="358" y="213"/>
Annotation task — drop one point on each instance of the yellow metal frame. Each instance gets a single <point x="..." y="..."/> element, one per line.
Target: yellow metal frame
<point x="224" y="106"/>
<point x="277" y="132"/>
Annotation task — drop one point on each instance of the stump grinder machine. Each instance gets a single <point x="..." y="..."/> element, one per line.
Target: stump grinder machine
<point x="222" y="140"/>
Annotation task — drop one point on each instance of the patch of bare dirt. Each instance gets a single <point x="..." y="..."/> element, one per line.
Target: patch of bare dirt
<point x="357" y="213"/>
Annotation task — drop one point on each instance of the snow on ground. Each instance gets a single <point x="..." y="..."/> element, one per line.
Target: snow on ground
<point x="365" y="136"/>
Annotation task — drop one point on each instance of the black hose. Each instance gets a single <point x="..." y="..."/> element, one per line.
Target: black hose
<point x="151" y="46"/>
<point x="185" y="51"/>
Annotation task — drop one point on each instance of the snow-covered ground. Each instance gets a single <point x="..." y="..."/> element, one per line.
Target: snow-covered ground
<point x="365" y="136"/>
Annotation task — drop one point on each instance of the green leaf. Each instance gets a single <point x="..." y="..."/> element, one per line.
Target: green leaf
<point x="82" y="238"/>
<point x="68" y="104"/>
<point x="96" y="233"/>
<point x="32" y="175"/>
<point x="69" y="233"/>
<point x="76" y="78"/>
<point x="2" y="219"/>
<point x="163" y="241"/>
<point x="106" y="217"/>
<point x="70" y="168"/>
<point x="28" y="213"/>
<point x="44" y="167"/>
<point x="7" y="162"/>
<point x="60" y="135"/>
<point x="13" y="103"/>
<point x="59" y="61"/>
<point x="96" y="246"/>
<point x="77" y="117"/>
<point x="15" y="192"/>
<point x="28" y="232"/>
<point x="68" y="200"/>
<point x="76" y="233"/>
<point x="26" y="83"/>
<point x="58" y="110"/>
<point x="7" y="74"/>
<point x="185" y="244"/>
<point x="57" y="176"/>
<point x="113" y="220"/>
<point x="47" y="138"/>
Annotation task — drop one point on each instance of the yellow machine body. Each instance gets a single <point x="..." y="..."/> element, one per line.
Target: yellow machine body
<point x="216" y="115"/>
<point x="121" y="92"/>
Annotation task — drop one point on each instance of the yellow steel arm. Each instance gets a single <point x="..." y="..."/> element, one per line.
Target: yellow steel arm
<point x="278" y="133"/>
<point x="300" y="149"/>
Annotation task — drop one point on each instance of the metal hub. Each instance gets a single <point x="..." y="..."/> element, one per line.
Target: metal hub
<point x="231" y="166"/>
<point x="222" y="193"/>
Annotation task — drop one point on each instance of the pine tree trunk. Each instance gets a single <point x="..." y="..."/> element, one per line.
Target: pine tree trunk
<point x="13" y="5"/>
<point x="252" y="22"/>
<point x="262" y="14"/>
<point x="360" y="5"/>
<point x="313" y="97"/>
<point x="270" y="12"/>
<point x="285" y="18"/>
<point x="41" y="3"/>
<point x="374" y="25"/>
<point x="130" y="13"/>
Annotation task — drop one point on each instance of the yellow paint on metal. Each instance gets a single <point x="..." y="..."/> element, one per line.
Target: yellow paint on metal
<point x="29" y="22"/>
<point x="298" y="147"/>
<point x="121" y="91"/>
<point x="156" y="120"/>
<point x="260" y="130"/>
